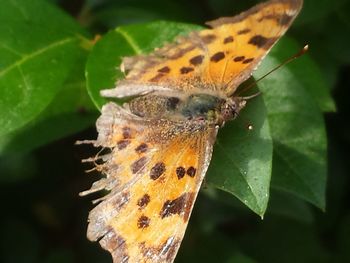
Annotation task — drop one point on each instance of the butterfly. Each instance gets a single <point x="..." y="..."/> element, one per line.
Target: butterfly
<point x="158" y="146"/>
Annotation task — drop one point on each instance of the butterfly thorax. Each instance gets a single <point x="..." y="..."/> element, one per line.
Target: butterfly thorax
<point x="198" y="106"/>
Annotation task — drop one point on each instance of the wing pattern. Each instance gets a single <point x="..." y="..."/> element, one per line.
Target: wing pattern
<point x="216" y="59"/>
<point x="153" y="182"/>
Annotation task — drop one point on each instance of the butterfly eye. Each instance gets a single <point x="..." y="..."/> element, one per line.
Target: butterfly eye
<point x="228" y="110"/>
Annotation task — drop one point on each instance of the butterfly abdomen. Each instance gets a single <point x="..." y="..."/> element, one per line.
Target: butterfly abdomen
<point x="154" y="106"/>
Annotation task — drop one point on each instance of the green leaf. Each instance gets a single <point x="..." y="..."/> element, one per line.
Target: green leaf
<point x="304" y="70"/>
<point x="242" y="159"/>
<point x="38" y="48"/>
<point x="70" y="111"/>
<point x="297" y="125"/>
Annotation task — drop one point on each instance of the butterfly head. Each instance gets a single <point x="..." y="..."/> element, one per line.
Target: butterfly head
<point x="230" y="109"/>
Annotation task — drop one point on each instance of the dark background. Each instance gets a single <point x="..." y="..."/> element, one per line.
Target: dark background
<point x="44" y="220"/>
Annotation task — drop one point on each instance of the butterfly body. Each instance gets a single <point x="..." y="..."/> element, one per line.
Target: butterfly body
<point x="162" y="140"/>
<point x="197" y="106"/>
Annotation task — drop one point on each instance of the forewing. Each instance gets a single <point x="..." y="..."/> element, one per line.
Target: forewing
<point x="144" y="217"/>
<point x="216" y="59"/>
<point x="246" y="39"/>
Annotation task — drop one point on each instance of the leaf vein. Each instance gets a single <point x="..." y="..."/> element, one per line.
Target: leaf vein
<point x="34" y="54"/>
<point x="129" y="39"/>
<point x="10" y="49"/>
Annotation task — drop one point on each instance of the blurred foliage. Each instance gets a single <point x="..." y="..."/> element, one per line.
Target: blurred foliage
<point x="47" y="103"/>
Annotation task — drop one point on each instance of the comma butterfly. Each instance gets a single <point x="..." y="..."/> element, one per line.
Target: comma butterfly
<point x="161" y="141"/>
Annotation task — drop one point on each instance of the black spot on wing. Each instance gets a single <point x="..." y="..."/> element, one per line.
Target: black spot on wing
<point x="180" y="206"/>
<point x="185" y="70"/>
<point x="180" y="172"/>
<point x="157" y="77"/>
<point x="228" y="39"/>
<point x="239" y="58"/>
<point x="197" y="60"/>
<point x="248" y="60"/>
<point x="138" y="165"/>
<point x="261" y="41"/>
<point x="165" y="69"/>
<point x="126" y="132"/>
<point x="258" y="40"/>
<point x="142" y="148"/>
<point x="157" y="170"/>
<point x="217" y="56"/>
<point x="143" y="221"/>
<point x="122" y="144"/>
<point x="143" y="201"/>
<point x="243" y="31"/>
<point x="191" y="171"/>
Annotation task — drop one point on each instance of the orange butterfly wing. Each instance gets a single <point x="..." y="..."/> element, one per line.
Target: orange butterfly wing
<point x="154" y="179"/>
<point x="155" y="167"/>
<point x="217" y="59"/>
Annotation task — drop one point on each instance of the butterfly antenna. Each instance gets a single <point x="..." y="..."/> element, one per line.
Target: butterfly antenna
<point x="290" y="59"/>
